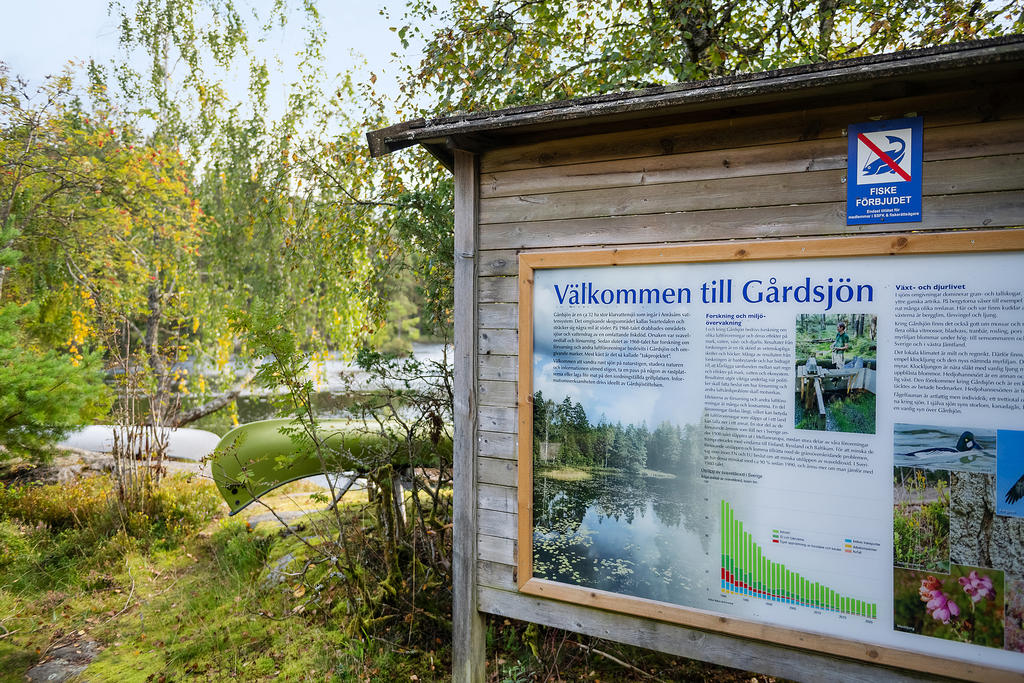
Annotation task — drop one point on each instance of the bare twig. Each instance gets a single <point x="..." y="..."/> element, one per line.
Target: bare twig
<point x="131" y="593"/>
<point x="627" y="665"/>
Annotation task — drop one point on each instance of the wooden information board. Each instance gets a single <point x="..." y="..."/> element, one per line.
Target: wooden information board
<point x="813" y="442"/>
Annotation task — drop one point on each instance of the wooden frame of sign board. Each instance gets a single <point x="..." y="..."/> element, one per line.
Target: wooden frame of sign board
<point x="876" y="245"/>
<point x="749" y="157"/>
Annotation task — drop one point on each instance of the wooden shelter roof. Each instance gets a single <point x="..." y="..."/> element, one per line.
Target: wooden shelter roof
<point x="877" y="77"/>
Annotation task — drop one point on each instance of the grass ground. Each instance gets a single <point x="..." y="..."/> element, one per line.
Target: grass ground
<point x="565" y="473"/>
<point x="187" y="594"/>
<point x="853" y="414"/>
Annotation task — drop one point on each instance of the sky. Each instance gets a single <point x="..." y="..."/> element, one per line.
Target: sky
<point x="39" y="37"/>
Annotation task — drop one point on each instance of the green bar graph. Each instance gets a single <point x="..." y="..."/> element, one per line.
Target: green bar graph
<point x="747" y="570"/>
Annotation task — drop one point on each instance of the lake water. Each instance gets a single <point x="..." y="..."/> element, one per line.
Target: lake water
<point x="640" y="536"/>
<point x="332" y="398"/>
<point x="182" y="444"/>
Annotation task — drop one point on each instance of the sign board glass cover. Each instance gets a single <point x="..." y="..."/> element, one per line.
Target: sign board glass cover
<point x="805" y="443"/>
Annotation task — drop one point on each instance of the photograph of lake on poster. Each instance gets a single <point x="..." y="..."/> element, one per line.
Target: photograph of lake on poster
<point x="617" y="507"/>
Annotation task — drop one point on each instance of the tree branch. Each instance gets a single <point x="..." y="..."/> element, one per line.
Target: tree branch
<point x="185" y="417"/>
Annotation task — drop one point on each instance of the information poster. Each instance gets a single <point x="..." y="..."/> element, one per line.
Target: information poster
<point x="830" y="445"/>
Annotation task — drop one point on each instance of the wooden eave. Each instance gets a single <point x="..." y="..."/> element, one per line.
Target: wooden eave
<point x="877" y="77"/>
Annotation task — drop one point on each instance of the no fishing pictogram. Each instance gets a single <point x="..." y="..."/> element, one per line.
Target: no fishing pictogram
<point x="884" y="172"/>
<point x="881" y="166"/>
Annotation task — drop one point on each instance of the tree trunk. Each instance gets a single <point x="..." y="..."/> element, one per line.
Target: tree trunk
<point x="826" y="26"/>
<point x="157" y="407"/>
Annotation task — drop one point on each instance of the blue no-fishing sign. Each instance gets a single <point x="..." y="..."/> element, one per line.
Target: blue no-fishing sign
<point x="884" y="172"/>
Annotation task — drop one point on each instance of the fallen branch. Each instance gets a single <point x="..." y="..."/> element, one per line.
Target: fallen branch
<point x="594" y="650"/>
<point x="187" y="416"/>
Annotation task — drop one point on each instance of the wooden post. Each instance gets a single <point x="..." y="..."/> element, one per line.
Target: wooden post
<point x="468" y="651"/>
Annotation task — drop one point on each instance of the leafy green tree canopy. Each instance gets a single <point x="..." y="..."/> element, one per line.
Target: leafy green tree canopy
<point x="507" y="52"/>
<point x="44" y="393"/>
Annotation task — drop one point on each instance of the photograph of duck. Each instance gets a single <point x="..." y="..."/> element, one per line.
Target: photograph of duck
<point x="966" y="442"/>
<point x="946" y="447"/>
<point x="1010" y="473"/>
<point x="836" y="361"/>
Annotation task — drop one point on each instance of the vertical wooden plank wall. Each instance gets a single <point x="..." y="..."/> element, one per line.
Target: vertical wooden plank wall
<point x="757" y="175"/>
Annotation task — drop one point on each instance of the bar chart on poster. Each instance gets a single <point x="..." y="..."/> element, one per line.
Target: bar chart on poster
<point x="748" y="569"/>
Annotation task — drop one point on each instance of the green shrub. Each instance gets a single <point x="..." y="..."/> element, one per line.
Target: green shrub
<point x="61" y="506"/>
<point x="44" y="393"/>
<point x="13" y="544"/>
<point x="177" y="506"/>
<point x="237" y="549"/>
<point x="181" y="505"/>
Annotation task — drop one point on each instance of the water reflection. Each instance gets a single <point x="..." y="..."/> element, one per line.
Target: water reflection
<point x="335" y="382"/>
<point x="626" y="533"/>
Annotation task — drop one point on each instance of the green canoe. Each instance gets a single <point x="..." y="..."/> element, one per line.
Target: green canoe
<point x="256" y="458"/>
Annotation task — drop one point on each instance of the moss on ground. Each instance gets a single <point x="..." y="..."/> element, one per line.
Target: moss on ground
<point x="199" y="596"/>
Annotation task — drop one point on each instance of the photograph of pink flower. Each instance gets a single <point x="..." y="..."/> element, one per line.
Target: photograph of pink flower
<point x="965" y="605"/>
<point x="978" y="587"/>
<point x="1015" y="614"/>
<point x="937" y="604"/>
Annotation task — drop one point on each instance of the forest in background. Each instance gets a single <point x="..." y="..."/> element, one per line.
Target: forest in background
<point x="563" y="435"/>
<point x="816" y="332"/>
<point x="158" y="235"/>
<point x="142" y="204"/>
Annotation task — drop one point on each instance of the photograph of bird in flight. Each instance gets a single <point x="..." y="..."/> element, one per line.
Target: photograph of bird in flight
<point x="1010" y="473"/>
